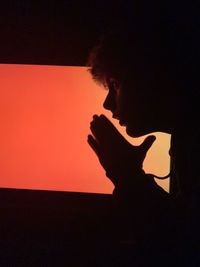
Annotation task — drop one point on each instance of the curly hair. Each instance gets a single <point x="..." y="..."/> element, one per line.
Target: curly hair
<point x="117" y="55"/>
<point x="165" y="38"/>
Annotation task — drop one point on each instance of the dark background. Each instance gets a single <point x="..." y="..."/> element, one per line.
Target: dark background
<point x="55" y="32"/>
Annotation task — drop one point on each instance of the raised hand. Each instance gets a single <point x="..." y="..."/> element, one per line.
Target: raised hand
<point x="117" y="156"/>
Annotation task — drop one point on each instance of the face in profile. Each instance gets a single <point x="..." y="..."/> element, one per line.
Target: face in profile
<point x="141" y="111"/>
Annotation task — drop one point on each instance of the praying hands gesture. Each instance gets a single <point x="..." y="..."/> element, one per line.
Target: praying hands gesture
<point x="117" y="156"/>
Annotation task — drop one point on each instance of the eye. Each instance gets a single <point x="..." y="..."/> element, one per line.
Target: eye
<point x="113" y="85"/>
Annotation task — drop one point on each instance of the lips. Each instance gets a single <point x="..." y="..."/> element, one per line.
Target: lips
<point x="122" y="123"/>
<point x="115" y="116"/>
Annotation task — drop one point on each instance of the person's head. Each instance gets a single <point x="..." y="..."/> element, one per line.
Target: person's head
<point x="148" y="68"/>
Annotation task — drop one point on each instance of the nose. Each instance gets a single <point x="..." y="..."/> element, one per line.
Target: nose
<point x="109" y="102"/>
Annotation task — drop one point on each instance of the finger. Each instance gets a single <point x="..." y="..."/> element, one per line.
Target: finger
<point x="93" y="144"/>
<point x="104" y="131"/>
<point x="95" y="116"/>
<point x="145" y="146"/>
<point x="98" y="129"/>
<point x="95" y="129"/>
<point x="107" y="122"/>
<point x="108" y="126"/>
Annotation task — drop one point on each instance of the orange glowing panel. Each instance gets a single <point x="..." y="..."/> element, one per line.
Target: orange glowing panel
<point x="45" y="112"/>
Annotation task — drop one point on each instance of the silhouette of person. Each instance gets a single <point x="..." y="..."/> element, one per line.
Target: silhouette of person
<point x="150" y="65"/>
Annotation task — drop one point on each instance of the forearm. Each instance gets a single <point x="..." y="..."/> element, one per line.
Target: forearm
<point x="139" y="186"/>
<point x="141" y="204"/>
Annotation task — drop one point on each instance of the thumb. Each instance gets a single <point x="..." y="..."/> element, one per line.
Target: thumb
<point x="149" y="140"/>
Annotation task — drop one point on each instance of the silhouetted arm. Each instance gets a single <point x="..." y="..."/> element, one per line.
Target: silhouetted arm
<point x="137" y="197"/>
<point x="142" y="204"/>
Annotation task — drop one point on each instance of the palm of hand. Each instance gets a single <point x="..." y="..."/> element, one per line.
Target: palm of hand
<point x="115" y="153"/>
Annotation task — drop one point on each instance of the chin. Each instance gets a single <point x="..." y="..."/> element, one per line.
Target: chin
<point x="133" y="132"/>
